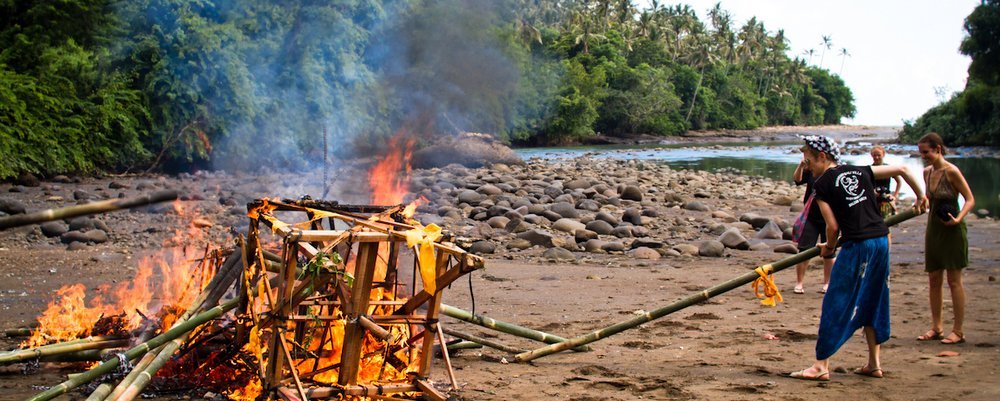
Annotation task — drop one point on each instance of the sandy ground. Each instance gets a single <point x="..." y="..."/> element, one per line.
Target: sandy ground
<point x="716" y="350"/>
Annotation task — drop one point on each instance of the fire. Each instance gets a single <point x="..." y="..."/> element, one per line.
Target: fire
<point x="70" y="316"/>
<point x="389" y="177"/>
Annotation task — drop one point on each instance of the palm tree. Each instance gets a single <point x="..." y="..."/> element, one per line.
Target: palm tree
<point x="827" y="44"/>
<point x="701" y="57"/>
<point x="810" y="53"/>
<point x="843" y="56"/>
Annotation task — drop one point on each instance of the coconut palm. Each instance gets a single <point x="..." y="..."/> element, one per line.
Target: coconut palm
<point x="701" y="57"/>
<point x="843" y="56"/>
<point x="827" y="45"/>
<point x="810" y="53"/>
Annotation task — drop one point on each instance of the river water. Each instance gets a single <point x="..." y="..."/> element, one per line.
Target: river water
<point x="778" y="161"/>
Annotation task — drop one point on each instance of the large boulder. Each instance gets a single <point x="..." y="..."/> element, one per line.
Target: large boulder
<point x="469" y="149"/>
<point x="769" y="231"/>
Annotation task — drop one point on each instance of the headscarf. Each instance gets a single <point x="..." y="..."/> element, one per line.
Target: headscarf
<point x="823" y="143"/>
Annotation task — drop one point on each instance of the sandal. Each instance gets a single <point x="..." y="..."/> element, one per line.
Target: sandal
<point x="951" y="339"/>
<point x="930" y="335"/>
<point x="798" y="290"/>
<point x="823" y="290"/>
<point x="864" y="371"/>
<point x="801" y="375"/>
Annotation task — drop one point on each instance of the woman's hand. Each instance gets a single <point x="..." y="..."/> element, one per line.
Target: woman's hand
<point x="921" y="205"/>
<point x="825" y="249"/>
<point x="953" y="222"/>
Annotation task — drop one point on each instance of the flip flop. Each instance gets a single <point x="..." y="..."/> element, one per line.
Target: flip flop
<point x="949" y="341"/>
<point x="876" y="373"/>
<point x="798" y="290"/>
<point x="930" y="335"/>
<point x="801" y="375"/>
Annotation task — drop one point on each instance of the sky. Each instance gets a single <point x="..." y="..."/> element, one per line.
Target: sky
<point x="902" y="52"/>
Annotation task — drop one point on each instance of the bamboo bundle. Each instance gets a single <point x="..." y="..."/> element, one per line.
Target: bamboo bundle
<point x="690" y="300"/>
<point x="81" y="210"/>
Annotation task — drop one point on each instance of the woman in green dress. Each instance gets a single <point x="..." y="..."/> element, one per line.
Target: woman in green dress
<point x="946" y="245"/>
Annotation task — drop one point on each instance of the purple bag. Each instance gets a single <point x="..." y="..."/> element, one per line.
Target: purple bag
<point x="800" y="222"/>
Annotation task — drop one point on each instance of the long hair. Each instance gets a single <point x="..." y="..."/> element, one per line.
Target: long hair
<point x="934" y="140"/>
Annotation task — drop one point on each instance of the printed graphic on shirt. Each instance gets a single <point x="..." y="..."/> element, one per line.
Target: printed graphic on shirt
<point x="850" y="182"/>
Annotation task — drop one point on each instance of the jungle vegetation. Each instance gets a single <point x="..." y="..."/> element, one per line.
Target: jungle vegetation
<point x="109" y="85"/>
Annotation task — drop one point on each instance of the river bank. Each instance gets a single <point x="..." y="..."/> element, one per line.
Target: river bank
<point x="571" y="246"/>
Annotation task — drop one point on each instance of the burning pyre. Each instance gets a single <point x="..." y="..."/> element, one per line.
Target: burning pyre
<point x="341" y="303"/>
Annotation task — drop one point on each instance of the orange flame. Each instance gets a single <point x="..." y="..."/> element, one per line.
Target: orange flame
<point x="69" y="316"/>
<point x="390" y="177"/>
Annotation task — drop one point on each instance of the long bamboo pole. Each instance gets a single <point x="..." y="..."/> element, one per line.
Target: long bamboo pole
<point x="100" y="342"/>
<point x="135" y="352"/>
<point x="505" y="327"/>
<point x="481" y="341"/>
<point x="80" y="210"/>
<point x="690" y="300"/>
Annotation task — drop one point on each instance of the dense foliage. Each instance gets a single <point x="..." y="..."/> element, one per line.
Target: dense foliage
<point x="87" y="85"/>
<point x="972" y="116"/>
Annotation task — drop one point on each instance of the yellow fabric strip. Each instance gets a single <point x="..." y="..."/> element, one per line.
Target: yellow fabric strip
<point x="422" y="240"/>
<point x="771" y="296"/>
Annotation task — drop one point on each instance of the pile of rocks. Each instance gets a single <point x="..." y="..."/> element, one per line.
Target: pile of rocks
<point x="639" y="208"/>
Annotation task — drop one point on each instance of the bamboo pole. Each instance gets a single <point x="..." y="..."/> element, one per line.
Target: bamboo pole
<point x="135" y="352"/>
<point x="68" y="347"/>
<point x="113" y="392"/>
<point x="505" y="327"/>
<point x="146" y="374"/>
<point x="464" y="345"/>
<point x="482" y="341"/>
<point x="81" y="210"/>
<point x="690" y="300"/>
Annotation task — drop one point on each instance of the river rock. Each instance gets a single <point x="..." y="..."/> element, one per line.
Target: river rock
<point x="76" y="246"/>
<point x="769" y="231"/>
<point x="537" y="237"/>
<point x="724" y="216"/>
<point x="613" y="246"/>
<point x="608" y="217"/>
<point x="584" y="235"/>
<point x="27" y="179"/>
<point x="644" y="253"/>
<point x="498" y="222"/>
<point x="83" y="223"/>
<point x="497" y="210"/>
<point x="558" y="254"/>
<point x="471" y="197"/>
<point x="568" y="225"/>
<point x="711" y="248"/>
<point x="784" y="200"/>
<point x="552" y="216"/>
<point x="755" y="220"/>
<point x="489" y="189"/>
<point x="623" y="231"/>
<point x="631" y="192"/>
<point x="759" y="246"/>
<point x="552" y="191"/>
<point x="686" y="249"/>
<point x="647" y="243"/>
<point x="12" y="207"/>
<point x="483" y="247"/>
<point x="696" y="206"/>
<point x="632" y="215"/>
<point x="519" y="244"/>
<point x="96" y="236"/>
<point x="595" y="246"/>
<point x="565" y="209"/>
<point x="517" y="226"/>
<point x="578" y="184"/>
<point x="117" y="185"/>
<point x="733" y="239"/>
<point x="600" y="227"/>
<point x="589" y="205"/>
<point x="787" y="247"/>
<point x="54" y="228"/>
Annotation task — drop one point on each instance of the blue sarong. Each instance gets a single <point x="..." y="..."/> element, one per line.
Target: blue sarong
<point x="858" y="295"/>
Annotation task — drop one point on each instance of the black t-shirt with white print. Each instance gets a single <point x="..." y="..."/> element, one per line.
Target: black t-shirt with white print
<point x="850" y="192"/>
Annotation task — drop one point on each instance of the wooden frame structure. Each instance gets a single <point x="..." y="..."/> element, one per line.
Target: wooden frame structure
<point x="331" y="313"/>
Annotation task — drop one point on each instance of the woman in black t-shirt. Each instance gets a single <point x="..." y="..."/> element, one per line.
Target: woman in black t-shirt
<point x="858" y="296"/>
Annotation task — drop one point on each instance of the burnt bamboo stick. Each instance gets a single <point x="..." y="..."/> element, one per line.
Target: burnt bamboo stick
<point x="505" y="327"/>
<point x="81" y="210"/>
<point x="693" y="299"/>
<point x="447" y="358"/>
<point x="464" y="345"/>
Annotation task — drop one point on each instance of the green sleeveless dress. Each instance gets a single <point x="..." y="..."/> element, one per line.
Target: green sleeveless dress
<point x="945" y="247"/>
